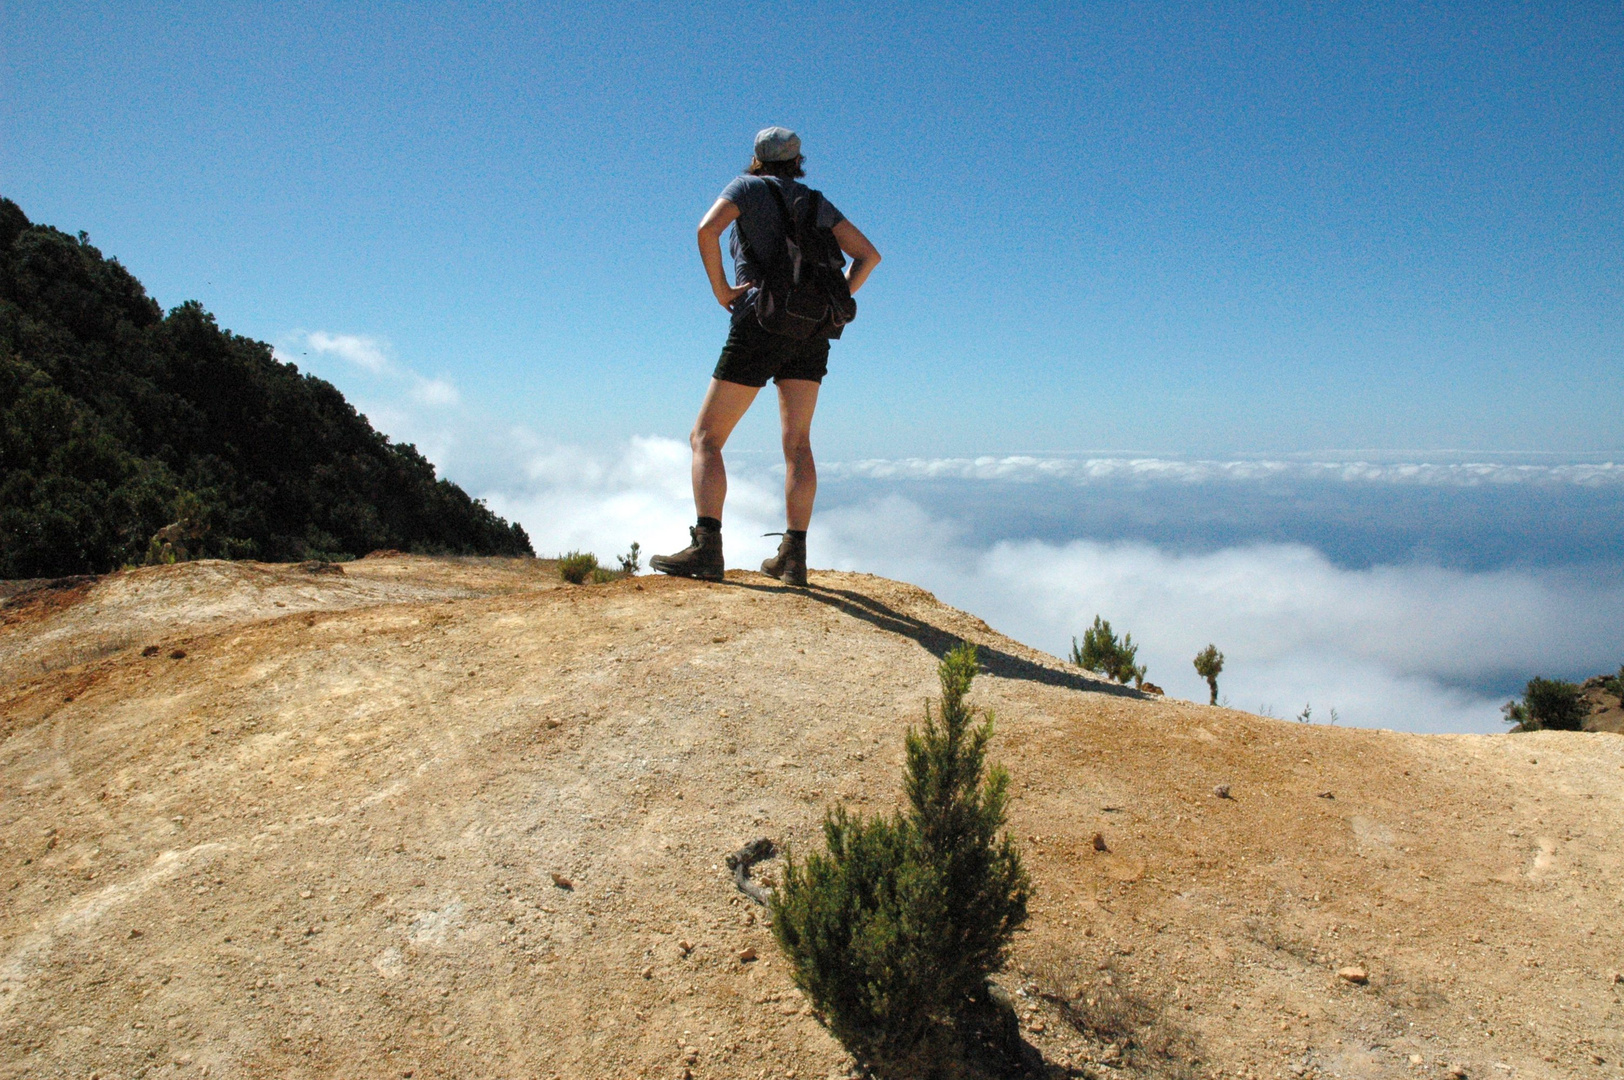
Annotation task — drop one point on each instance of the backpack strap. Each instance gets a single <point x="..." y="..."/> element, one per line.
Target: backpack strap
<point x="785" y="217"/>
<point x="792" y="227"/>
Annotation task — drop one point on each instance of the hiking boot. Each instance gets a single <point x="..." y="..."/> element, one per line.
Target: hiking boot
<point x="789" y="565"/>
<point x="701" y="559"/>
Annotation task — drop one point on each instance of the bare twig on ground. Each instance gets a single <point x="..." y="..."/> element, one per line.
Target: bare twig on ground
<point x="743" y="859"/>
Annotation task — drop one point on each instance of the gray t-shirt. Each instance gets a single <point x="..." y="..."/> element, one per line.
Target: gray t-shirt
<point x="763" y="224"/>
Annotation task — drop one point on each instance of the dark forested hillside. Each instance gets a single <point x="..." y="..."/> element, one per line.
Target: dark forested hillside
<point x="128" y="434"/>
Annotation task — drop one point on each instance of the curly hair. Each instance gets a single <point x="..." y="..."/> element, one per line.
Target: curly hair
<point x="784" y="170"/>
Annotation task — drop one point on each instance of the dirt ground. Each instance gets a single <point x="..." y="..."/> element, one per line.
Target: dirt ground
<point x="260" y="821"/>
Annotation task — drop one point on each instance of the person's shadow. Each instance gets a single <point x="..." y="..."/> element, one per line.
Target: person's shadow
<point x="938" y="642"/>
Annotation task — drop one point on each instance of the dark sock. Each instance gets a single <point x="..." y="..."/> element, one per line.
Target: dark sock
<point x="710" y="523"/>
<point x="795" y="534"/>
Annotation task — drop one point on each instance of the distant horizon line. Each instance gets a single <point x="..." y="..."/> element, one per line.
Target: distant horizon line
<point x="1475" y="471"/>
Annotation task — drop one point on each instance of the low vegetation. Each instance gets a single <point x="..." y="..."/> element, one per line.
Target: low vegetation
<point x="577" y="567"/>
<point x="1547" y="705"/>
<point x="893" y="931"/>
<point x="631" y="562"/>
<point x="128" y="435"/>
<point x="581" y="567"/>
<point x="1614" y="684"/>
<point x="1103" y="654"/>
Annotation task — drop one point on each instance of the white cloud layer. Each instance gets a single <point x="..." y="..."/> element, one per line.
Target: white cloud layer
<point x="1389" y="646"/>
<point x="1117" y="470"/>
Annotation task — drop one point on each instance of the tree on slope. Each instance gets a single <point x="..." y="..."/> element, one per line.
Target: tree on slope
<point x="1209" y="663"/>
<point x="893" y="931"/>
<point x="1102" y="653"/>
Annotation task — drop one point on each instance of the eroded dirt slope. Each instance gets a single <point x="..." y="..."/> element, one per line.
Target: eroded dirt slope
<point x="322" y="841"/>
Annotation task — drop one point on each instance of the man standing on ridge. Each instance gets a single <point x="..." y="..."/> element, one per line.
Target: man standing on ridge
<point x="770" y="213"/>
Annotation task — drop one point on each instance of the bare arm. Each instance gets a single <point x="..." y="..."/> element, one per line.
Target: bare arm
<point x="864" y="255"/>
<point x="711" y="228"/>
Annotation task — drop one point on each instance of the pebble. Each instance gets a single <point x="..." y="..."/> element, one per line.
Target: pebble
<point x="1356" y="975"/>
<point x="746" y="955"/>
<point x="1221" y="791"/>
<point x="686" y="946"/>
<point x="1099" y="842"/>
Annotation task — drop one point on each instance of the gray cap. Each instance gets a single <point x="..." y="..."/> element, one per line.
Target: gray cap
<point x="777" y="144"/>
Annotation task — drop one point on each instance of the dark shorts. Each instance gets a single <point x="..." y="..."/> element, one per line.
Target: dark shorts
<point x="752" y="356"/>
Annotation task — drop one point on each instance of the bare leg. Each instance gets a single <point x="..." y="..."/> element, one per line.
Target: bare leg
<point x="797" y="399"/>
<point x="725" y="403"/>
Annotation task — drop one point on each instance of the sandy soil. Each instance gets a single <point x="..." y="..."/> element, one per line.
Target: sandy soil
<point x="257" y="821"/>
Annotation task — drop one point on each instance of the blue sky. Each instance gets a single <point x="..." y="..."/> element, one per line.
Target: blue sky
<point x="1298" y="329"/>
<point x="1175" y="229"/>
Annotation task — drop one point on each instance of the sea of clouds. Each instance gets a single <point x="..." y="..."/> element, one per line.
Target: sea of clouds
<point x="1410" y="595"/>
<point x="1413" y="646"/>
<point x="1082" y="470"/>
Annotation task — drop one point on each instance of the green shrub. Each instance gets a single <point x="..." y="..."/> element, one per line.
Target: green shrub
<point x="1209" y="664"/>
<point x="1102" y="653"/>
<point x="631" y="562"/>
<point x="894" y="929"/>
<point x="855" y="923"/>
<point x="577" y="566"/>
<point x="1548" y="705"/>
<point x="1614" y="685"/>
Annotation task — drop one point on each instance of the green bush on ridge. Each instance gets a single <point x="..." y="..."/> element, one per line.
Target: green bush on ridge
<point x="1548" y="705"/>
<point x="577" y="566"/>
<point x="580" y="567"/>
<point x="893" y="930"/>
<point x="1103" y="654"/>
<point x="631" y="562"/>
